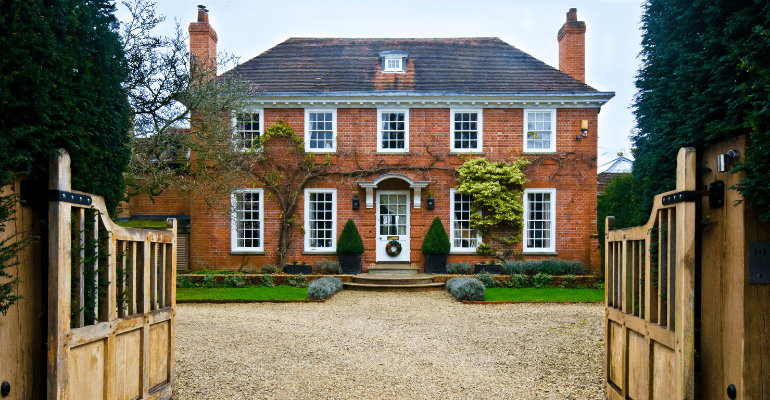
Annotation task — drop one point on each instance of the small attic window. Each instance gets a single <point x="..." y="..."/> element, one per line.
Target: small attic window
<point x="393" y="60"/>
<point x="393" y="65"/>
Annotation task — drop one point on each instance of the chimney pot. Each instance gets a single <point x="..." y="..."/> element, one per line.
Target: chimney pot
<point x="572" y="14"/>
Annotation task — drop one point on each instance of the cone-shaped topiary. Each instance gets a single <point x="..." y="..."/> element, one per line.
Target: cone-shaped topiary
<point x="436" y="241"/>
<point x="350" y="241"/>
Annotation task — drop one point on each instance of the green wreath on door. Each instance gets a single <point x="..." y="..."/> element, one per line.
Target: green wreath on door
<point x="393" y="248"/>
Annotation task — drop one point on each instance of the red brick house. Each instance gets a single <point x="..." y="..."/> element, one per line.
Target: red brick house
<point x="408" y="101"/>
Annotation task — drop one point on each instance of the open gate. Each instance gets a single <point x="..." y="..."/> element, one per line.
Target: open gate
<point x="111" y="301"/>
<point x="650" y="297"/>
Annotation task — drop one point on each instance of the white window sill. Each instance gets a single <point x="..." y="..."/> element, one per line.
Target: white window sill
<point x="250" y="252"/>
<point x="392" y="152"/>
<point x="320" y="151"/>
<point x="462" y="251"/>
<point x="540" y="253"/>
<point x="536" y="152"/>
<point x="319" y="252"/>
<point x="463" y="152"/>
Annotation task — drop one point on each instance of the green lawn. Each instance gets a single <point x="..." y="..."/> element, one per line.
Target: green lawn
<point x="550" y="294"/>
<point x="247" y="293"/>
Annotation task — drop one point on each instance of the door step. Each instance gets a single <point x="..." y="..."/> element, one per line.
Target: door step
<point x="391" y="281"/>
<point x="393" y="268"/>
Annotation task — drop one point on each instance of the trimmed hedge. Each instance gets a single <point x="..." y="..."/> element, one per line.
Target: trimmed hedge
<point x="466" y="289"/>
<point x="323" y="288"/>
<point x="550" y="266"/>
<point x="436" y="240"/>
<point x="350" y="240"/>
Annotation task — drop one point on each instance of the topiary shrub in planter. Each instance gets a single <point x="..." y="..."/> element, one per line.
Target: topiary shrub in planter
<point x="349" y="248"/>
<point x="466" y="289"/>
<point x="436" y="246"/>
<point x="322" y="288"/>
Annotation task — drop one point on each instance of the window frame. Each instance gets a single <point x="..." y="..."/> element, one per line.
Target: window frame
<point x="333" y="247"/>
<point x="380" y="149"/>
<point x="552" y="148"/>
<point x="388" y="69"/>
<point x="479" y="129"/>
<point x="454" y="249"/>
<point x="333" y="149"/>
<point x="234" y="248"/>
<point x="526" y="220"/>
<point x="234" y="118"/>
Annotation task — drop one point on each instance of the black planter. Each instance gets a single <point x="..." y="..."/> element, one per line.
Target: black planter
<point x="493" y="269"/>
<point x="295" y="269"/>
<point x="350" y="263"/>
<point x="435" y="263"/>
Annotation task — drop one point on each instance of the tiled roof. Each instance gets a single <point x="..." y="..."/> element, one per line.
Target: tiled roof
<point x="455" y="65"/>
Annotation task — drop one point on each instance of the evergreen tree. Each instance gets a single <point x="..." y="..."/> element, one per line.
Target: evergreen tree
<point x="60" y="86"/>
<point x="704" y="79"/>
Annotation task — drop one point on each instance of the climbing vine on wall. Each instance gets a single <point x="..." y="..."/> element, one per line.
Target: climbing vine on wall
<point x="496" y="191"/>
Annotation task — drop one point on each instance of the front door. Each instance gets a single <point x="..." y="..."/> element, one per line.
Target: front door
<point x="393" y="225"/>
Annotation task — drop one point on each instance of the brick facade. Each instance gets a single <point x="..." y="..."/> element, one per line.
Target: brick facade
<point x="570" y="170"/>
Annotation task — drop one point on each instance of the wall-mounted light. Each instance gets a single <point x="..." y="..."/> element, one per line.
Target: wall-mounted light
<point x="724" y="161"/>
<point x="430" y="203"/>
<point x="584" y="127"/>
<point x="356" y="203"/>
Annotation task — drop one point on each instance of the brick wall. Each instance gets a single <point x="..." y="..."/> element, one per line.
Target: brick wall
<point x="571" y="171"/>
<point x="572" y="47"/>
<point x="172" y="201"/>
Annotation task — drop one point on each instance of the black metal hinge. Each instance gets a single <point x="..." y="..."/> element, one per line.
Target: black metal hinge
<point x="69" y="197"/>
<point x="680" y="197"/>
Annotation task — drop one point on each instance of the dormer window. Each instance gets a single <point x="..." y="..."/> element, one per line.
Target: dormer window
<point x="393" y="65"/>
<point x="393" y="61"/>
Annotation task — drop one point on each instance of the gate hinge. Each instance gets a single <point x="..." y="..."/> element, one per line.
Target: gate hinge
<point x="684" y="196"/>
<point x="69" y="197"/>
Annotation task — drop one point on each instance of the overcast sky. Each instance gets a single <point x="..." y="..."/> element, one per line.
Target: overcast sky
<point x="248" y="28"/>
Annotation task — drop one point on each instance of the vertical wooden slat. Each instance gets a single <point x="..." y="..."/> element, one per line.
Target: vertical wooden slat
<point x="59" y="282"/>
<point x="80" y="215"/>
<point x="619" y="275"/>
<point x="120" y="276"/>
<point x="153" y="276"/>
<point x="169" y="273"/>
<point x="662" y="267"/>
<point x="625" y="279"/>
<point x="94" y="285"/>
<point x="145" y="300"/>
<point x="651" y="293"/>
<point x="609" y="224"/>
<point x="673" y="269"/>
<point x="131" y="277"/>
<point x="636" y="307"/>
<point x="171" y="226"/>
<point x="161" y="275"/>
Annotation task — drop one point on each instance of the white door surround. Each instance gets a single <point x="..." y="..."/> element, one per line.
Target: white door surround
<point x="393" y="220"/>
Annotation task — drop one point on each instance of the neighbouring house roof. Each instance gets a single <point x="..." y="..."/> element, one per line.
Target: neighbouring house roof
<point x="463" y="66"/>
<point x="619" y="165"/>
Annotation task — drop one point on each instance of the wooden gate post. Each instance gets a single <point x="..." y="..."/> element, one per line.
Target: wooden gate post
<point x="685" y="289"/>
<point x="59" y="266"/>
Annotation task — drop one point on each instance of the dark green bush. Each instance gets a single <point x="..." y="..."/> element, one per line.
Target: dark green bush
<point x="466" y="289"/>
<point x="550" y="266"/>
<point x="460" y="268"/>
<point x="298" y="281"/>
<point x="184" y="282"/>
<point x="542" y="280"/>
<point x="350" y="241"/>
<point x="269" y="269"/>
<point x="436" y="240"/>
<point x="518" y="281"/>
<point x="208" y="282"/>
<point x="234" y="282"/>
<point x="568" y="281"/>
<point x="267" y="280"/>
<point x="327" y="267"/>
<point x="487" y="279"/>
<point x="323" y="288"/>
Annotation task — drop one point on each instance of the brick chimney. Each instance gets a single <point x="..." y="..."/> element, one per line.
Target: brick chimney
<point x="572" y="46"/>
<point x="203" y="44"/>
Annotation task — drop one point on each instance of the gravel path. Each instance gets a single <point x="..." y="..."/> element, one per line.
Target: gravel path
<point x="389" y="345"/>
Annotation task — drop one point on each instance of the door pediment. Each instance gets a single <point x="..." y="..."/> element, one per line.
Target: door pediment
<point x="371" y="185"/>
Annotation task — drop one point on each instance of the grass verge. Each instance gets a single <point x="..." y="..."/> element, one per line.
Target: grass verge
<point x="543" y="295"/>
<point x="247" y="293"/>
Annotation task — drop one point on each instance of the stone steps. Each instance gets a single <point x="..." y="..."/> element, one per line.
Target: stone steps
<point x="391" y="268"/>
<point x="392" y="281"/>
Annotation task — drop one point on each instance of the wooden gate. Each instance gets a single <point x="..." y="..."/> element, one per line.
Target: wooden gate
<point x="650" y="297"/>
<point x="111" y="300"/>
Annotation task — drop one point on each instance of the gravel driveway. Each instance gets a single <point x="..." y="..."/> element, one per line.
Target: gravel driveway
<point x="389" y="345"/>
